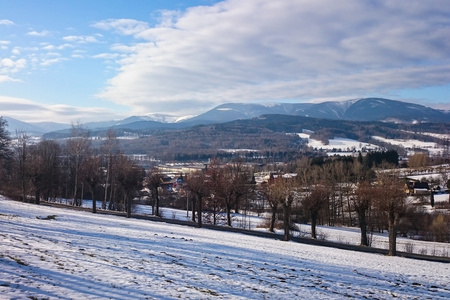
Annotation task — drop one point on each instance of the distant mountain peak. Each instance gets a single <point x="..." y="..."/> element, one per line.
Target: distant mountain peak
<point x="363" y="109"/>
<point x="359" y="109"/>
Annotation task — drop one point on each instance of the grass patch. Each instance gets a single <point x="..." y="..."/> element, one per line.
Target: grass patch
<point x="18" y="260"/>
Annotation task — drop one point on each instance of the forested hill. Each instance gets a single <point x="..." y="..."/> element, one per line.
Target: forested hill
<point x="269" y="133"/>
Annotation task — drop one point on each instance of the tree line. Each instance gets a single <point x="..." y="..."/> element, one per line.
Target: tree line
<point x="50" y="170"/>
<point x="333" y="192"/>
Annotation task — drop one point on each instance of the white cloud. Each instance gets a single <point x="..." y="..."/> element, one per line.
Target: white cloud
<point x="43" y="33"/>
<point x="4" y="44"/>
<point x="31" y="111"/>
<point x="108" y="56"/>
<point x="82" y="39"/>
<point x="6" y="22"/>
<point x="122" y="26"/>
<point x="8" y="65"/>
<point x="275" y="50"/>
<point x="50" y="61"/>
<point x="15" y="51"/>
<point x="6" y="78"/>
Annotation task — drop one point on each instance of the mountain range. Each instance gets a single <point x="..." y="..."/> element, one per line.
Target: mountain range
<point x="366" y="109"/>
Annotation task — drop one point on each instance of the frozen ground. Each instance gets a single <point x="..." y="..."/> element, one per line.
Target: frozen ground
<point x="341" y="144"/>
<point x="50" y="253"/>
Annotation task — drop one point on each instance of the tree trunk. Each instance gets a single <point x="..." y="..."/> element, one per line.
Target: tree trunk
<point x="37" y="199"/>
<point x="314" y="216"/>
<point x="75" y="190"/>
<point x="363" y="226"/>
<point x="199" y="212"/>
<point x="287" y="221"/>
<point x="94" y="202"/>
<point x="128" y="203"/>
<point x="106" y="188"/>
<point x="341" y="200"/>
<point x="228" y="209"/>
<point x="349" y="207"/>
<point x="392" y="234"/>
<point x="273" y="219"/>
<point x="156" y="203"/>
<point x="194" y="202"/>
<point x="214" y="213"/>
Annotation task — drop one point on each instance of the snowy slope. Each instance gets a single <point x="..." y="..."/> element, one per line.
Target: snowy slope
<point x="79" y="255"/>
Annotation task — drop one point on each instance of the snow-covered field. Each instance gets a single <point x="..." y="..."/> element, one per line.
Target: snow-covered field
<point x="344" y="146"/>
<point x="431" y="147"/>
<point x="51" y="253"/>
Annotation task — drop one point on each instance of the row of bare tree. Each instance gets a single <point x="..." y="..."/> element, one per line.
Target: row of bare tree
<point x="50" y="170"/>
<point x="330" y="193"/>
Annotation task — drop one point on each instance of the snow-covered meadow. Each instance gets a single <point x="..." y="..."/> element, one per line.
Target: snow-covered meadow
<point x="54" y="253"/>
<point x="344" y="146"/>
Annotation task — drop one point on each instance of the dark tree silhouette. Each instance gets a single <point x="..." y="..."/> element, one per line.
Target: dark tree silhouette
<point x="314" y="202"/>
<point x="197" y="184"/>
<point x="391" y="200"/>
<point x="362" y="201"/>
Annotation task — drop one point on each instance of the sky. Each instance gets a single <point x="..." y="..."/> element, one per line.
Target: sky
<point x="80" y="61"/>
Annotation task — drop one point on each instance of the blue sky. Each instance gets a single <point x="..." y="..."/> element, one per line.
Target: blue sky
<point x="80" y="61"/>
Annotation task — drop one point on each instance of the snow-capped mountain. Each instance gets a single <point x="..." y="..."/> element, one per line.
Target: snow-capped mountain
<point x="366" y="109"/>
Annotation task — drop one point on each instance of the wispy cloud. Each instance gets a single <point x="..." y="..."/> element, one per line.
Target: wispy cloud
<point x="122" y="26"/>
<point x="81" y="39"/>
<point x="275" y="50"/>
<point x="6" y="22"/>
<point x="108" y="56"/>
<point x="4" y="44"/>
<point x="8" y="65"/>
<point x="43" y="33"/>
<point x="25" y="109"/>
<point x="51" y="47"/>
<point x="50" y="61"/>
<point x="7" y="78"/>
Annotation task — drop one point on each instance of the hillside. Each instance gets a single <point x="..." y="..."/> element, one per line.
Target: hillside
<point x="270" y="133"/>
<point x="49" y="253"/>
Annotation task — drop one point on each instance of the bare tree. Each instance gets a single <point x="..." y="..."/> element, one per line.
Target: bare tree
<point x="129" y="177"/>
<point x="288" y="192"/>
<point x="314" y="203"/>
<point x="109" y="148"/>
<point x="272" y="195"/>
<point x="6" y="156"/>
<point x="43" y="169"/>
<point x="197" y="184"/>
<point x="230" y="183"/>
<point x="154" y="183"/>
<point x="362" y="201"/>
<point x="78" y="147"/>
<point x="391" y="199"/>
<point x="280" y="192"/>
<point x="91" y="171"/>
<point x="418" y="160"/>
<point x="35" y="172"/>
<point x="21" y="149"/>
<point x="5" y="140"/>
